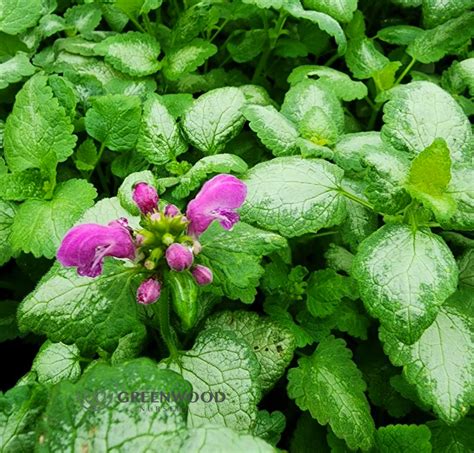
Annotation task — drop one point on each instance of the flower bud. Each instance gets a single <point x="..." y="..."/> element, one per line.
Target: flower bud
<point x="202" y="275"/>
<point x="148" y="292"/>
<point x="171" y="210"/>
<point x="145" y="197"/>
<point x="179" y="257"/>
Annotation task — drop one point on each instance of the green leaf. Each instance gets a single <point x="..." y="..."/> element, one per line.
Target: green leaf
<point x="38" y="133"/>
<point x="440" y="363"/>
<point x="40" y="225"/>
<point x="16" y="16"/>
<point x="114" y="120"/>
<point x="428" y="179"/>
<point x="159" y="139"/>
<point x="319" y="127"/>
<point x="136" y="7"/>
<point x="22" y="185"/>
<point x="404" y="277"/>
<point x="7" y="214"/>
<point x="132" y="53"/>
<point x="214" y="119"/>
<point x="342" y="11"/>
<point x="330" y="386"/>
<point x="234" y="257"/>
<point x="404" y="438"/>
<point x="83" y="18"/>
<point x="57" y="362"/>
<point x="187" y="58"/>
<point x="363" y="58"/>
<point x="326" y="289"/>
<point x="445" y="39"/>
<point x="125" y="191"/>
<point x="306" y="95"/>
<point x="420" y="112"/>
<point x="270" y="426"/>
<point x="323" y="21"/>
<point x="457" y="439"/>
<point x="221" y="362"/>
<point x="94" y="402"/>
<point x="20" y="408"/>
<point x="86" y="155"/>
<point x="94" y="314"/>
<point x="294" y="196"/>
<point x="399" y="35"/>
<point x="272" y="345"/>
<point x="14" y="69"/>
<point x="8" y="325"/>
<point x="378" y="373"/>
<point x="199" y="172"/>
<point x="245" y="45"/>
<point x="308" y="436"/>
<point x="338" y="82"/>
<point x="461" y="189"/>
<point x="275" y="131"/>
<point x="338" y="258"/>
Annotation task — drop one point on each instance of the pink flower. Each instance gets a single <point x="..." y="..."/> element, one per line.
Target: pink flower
<point x="217" y="200"/>
<point x="202" y="275"/>
<point x="145" y="197"/>
<point x="148" y="292"/>
<point x="85" y="246"/>
<point x="179" y="257"/>
<point x="171" y="210"/>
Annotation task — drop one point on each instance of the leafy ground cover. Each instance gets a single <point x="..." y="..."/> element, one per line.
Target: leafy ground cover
<point x="317" y="297"/>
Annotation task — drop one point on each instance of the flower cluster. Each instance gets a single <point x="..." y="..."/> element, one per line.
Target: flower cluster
<point x="166" y="237"/>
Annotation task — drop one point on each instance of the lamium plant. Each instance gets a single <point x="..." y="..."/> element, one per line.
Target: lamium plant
<point x="236" y="226"/>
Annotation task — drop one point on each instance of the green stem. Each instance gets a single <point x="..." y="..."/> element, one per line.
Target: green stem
<point x="355" y="198"/>
<point x="148" y="25"/>
<point x="214" y="36"/>
<point x="332" y="60"/>
<point x="262" y="63"/>
<point x="405" y="71"/>
<point x="165" y="328"/>
<point x="136" y="23"/>
<point x="373" y="116"/>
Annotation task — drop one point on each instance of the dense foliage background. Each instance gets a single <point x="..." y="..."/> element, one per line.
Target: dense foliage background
<point x="340" y="316"/>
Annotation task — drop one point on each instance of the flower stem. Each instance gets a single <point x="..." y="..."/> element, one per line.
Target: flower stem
<point x="165" y="328"/>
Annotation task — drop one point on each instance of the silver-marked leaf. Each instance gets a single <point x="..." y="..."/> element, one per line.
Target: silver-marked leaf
<point x="133" y="53"/>
<point x="342" y="10"/>
<point x="159" y="139"/>
<point x="7" y="214"/>
<point x="331" y="387"/>
<point x="275" y="131"/>
<point x="221" y="362"/>
<point x="419" y="112"/>
<point x="187" y="58"/>
<point x="294" y="196"/>
<point x="440" y="363"/>
<point x="272" y="344"/>
<point x="56" y="362"/>
<point x="404" y="277"/>
<point x="436" y="12"/>
<point x="339" y="82"/>
<point x="93" y="313"/>
<point x="14" y="69"/>
<point x="214" y="119"/>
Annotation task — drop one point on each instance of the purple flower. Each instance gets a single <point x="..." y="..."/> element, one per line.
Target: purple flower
<point x="146" y="197"/>
<point x="171" y="210"/>
<point x="217" y="200"/>
<point x="202" y="275"/>
<point x="179" y="257"/>
<point x="85" y="246"/>
<point x="148" y="292"/>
